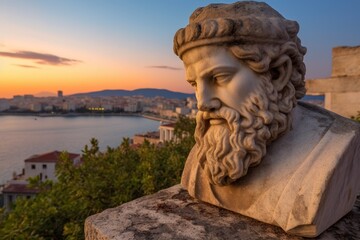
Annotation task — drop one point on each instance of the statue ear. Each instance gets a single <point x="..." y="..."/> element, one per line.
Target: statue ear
<point x="281" y="72"/>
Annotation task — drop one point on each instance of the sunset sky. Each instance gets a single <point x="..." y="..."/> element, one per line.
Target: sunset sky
<point x="90" y="45"/>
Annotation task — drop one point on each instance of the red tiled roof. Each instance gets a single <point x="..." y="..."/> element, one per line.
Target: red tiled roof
<point x="172" y="125"/>
<point x="50" y="157"/>
<point x="19" y="188"/>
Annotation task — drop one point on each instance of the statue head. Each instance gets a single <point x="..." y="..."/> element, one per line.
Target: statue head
<point x="245" y="62"/>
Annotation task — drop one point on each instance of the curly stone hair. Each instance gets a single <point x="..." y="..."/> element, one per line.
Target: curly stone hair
<point x="257" y="35"/>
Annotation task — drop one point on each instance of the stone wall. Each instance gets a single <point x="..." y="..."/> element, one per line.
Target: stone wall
<point x="346" y="61"/>
<point x="342" y="89"/>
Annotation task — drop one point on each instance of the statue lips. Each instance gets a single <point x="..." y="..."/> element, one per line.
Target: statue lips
<point x="213" y="118"/>
<point x="217" y="121"/>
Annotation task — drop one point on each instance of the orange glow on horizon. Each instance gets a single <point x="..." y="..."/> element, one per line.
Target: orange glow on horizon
<point x="17" y="78"/>
<point x="94" y="70"/>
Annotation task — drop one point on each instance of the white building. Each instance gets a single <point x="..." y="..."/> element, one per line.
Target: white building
<point x="4" y="105"/>
<point x="167" y="132"/>
<point x="191" y="103"/>
<point x="193" y="113"/>
<point x="168" y="113"/>
<point x="182" y="110"/>
<point x="44" y="165"/>
<point x="15" y="189"/>
<point x="133" y="107"/>
<point x="108" y="107"/>
<point x="48" y="108"/>
<point x="69" y="106"/>
<point x="35" y="107"/>
<point x="18" y="98"/>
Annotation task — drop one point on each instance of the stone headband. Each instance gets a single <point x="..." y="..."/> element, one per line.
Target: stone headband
<point x="242" y="25"/>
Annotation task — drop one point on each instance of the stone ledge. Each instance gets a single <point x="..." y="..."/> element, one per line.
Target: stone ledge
<point x="173" y="214"/>
<point x="343" y="84"/>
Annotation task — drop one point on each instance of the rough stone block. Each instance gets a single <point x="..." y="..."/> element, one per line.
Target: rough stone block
<point x="346" y="61"/>
<point x="346" y="104"/>
<point x="173" y="214"/>
<point x="334" y="84"/>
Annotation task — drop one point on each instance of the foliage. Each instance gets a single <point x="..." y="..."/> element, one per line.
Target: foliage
<point x="184" y="127"/>
<point x="103" y="180"/>
<point x="357" y="117"/>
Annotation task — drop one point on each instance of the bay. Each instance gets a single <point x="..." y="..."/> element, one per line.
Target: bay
<point x="24" y="136"/>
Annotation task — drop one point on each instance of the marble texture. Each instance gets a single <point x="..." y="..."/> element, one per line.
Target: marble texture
<point x="307" y="181"/>
<point x="259" y="152"/>
<point x="173" y="214"/>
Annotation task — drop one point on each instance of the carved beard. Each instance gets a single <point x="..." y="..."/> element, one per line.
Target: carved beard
<point x="226" y="151"/>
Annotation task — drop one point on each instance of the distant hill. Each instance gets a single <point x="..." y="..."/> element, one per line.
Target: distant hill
<point x="146" y="92"/>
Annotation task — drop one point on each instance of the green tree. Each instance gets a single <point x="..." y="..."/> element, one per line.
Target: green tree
<point x="185" y="127"/>
<point x="102" y="180"/>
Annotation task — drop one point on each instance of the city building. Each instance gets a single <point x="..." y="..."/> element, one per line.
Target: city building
<point x="69" y="106"/>
<point x="4" y="105"/>
<point x="193" y="113"/>
<point x="182" y="110"/>
<point x="167" y="132"/>
<point x="133" y="106"/>
<point x="158" y="106"/>
<point x="152" y="137"/>
<point x="108" y="107"/>
<point x="60" y="94"/>
<point x="35" y="107"/>
<point x="18" y="98"/>
<point x="29" y="97"/>
<point x="168" y="113"/>
<point x="43" y="165"/>
<point x="191" y="103"/>
<point x="15" y="189"/>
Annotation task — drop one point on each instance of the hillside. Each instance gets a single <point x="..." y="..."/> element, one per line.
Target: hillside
<point x="146" y="92"/>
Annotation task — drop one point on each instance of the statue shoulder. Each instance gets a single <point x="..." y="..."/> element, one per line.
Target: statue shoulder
<point x="338" y="123"/>
<point x="190" y="166"/>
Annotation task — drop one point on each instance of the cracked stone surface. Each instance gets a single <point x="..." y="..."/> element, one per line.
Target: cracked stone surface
<point x="173" y="214"/>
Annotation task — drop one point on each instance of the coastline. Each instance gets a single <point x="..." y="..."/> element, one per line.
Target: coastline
<point x="158" y="118"/>
<point x="25" y="135"/>
<point x="151" y="117"/>
<point x="69" y="114"/>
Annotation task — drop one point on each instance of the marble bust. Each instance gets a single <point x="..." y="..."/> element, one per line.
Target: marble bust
<point x="260" y="151"/>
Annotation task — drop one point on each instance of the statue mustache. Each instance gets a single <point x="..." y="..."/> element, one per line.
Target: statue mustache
<point x="230" y="115"/>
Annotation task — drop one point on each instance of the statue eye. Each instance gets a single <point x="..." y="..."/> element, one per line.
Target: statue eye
<point x="192" y="83"/>
<point x="221" y="78"/>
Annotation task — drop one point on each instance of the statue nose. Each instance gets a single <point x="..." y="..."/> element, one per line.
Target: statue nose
<point x="206" y="97"/>
<point x="209" y="105"/>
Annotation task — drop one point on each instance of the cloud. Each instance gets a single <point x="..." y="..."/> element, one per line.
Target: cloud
<point x="41" y="58"/>
<point x="165" y="67"/>
<point x="25" y="66"/>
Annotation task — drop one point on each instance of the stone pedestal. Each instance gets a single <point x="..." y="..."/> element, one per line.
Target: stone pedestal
<point x="173" y="214"/>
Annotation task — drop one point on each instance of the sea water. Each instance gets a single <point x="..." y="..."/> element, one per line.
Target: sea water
<point x="24" y="136"/>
